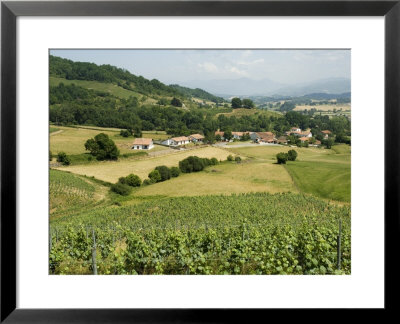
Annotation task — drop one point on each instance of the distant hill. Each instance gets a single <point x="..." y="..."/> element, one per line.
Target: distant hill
<point x="327" y="96"/>
<point x="236" y="87"/>
<point x="198" y="93"/>
<point x="328" y="86"/>
<point x="266" y="87"/>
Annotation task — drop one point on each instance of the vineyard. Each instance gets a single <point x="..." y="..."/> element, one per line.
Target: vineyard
<point x="254" y="233"/>
<point x="70" y="194"/>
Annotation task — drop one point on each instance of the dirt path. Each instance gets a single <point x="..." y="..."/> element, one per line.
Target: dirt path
<point x="57" y="132"/>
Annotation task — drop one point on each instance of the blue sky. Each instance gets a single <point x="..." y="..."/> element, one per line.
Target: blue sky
<point x="179" y="66"/>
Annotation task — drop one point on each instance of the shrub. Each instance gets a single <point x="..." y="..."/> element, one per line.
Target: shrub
<point x="281" y="158"/>
<point x="165" y="172"/>
<point x="67" y="161"/>
<point x="191" y="164"/>
<point x="125" y="132"/>
<point x="133" y="180"/>
<point x="147" y="182"/>
<point x="63" y="158"/>
<point x="292" y="155"/>
<point x="175" y="172"/>
<point x="155" y="176"/>
<point x="238" y="159"/>
<point x="121" y="189"/>
<point x="229" y="158"/>
<point x="206" y="162"/>
<point x="214" y="161"/>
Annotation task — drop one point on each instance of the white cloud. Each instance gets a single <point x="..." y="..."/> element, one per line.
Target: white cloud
<point x="209" y="67"/>
<point x="235" y="70"/>
<point x="258" y="61"/>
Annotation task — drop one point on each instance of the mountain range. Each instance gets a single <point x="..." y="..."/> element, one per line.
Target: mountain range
<point x="266" y="87"/>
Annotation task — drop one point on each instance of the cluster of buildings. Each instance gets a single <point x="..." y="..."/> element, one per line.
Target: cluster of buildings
<point x="147" y="143"/>
<point x="257" y="137"/>
<point x="270" y="138"/>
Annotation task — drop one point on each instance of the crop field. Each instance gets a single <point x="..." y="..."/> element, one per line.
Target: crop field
<point x="256" y="233"/>
<point x="344" y="107"/>
<point x="322" y="172"/>
<point x="72" y="139"/>
<point x="111" y="171"/>
<point x="68" y="191"/>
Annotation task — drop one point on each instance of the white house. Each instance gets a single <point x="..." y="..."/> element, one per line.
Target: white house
<point x="176" y="141"/>
<point x="196" y="138"/>
<point x="143" y="144"/>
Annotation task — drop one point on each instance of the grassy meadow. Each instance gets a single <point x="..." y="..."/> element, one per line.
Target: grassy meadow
<point x="344" y="107"/>
<point x="110" y="88"/>
<point x="71" y="140"/>
<point x="111" y="171"/>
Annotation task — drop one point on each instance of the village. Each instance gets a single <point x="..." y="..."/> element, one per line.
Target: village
<point x="302" y="136"/>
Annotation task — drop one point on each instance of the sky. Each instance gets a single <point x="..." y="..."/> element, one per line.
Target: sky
<point x="179" y="66"/>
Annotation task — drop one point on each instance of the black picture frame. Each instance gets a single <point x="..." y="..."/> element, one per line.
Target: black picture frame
<point x="11" y="10"/>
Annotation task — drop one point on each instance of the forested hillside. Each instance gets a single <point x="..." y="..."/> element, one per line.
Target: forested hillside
<point x="198" y="93"/>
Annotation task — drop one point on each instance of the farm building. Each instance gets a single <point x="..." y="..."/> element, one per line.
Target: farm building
<point x="282" y="140"/>
<point x="238" y="135"/>
<point x="263" y="137"/>
<point x="196" y="138"/>
<point x="304" y="139"/>
<point x="168" y="142"/>
<point x="143" y="144"/>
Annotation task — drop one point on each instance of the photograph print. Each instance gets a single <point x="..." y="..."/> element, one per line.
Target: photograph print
<point x="199" y="162"/>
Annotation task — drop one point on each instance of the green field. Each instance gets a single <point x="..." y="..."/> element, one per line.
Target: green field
<point x="321" y="172"/>
<point x="110" y="88"/>
<point x="72" y="139"/>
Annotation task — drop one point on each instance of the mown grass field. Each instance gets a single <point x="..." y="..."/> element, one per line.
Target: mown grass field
<point x="248" y="112"/>
<point x="111" y="171"/>
<point x="344" y="107"/>
<point x="72" y="139"/>
<point x="225" y="179"/>
<point x="321" y="172"/>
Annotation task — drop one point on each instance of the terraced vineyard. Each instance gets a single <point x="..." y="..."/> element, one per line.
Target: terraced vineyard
<point x="256" y="233"/>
